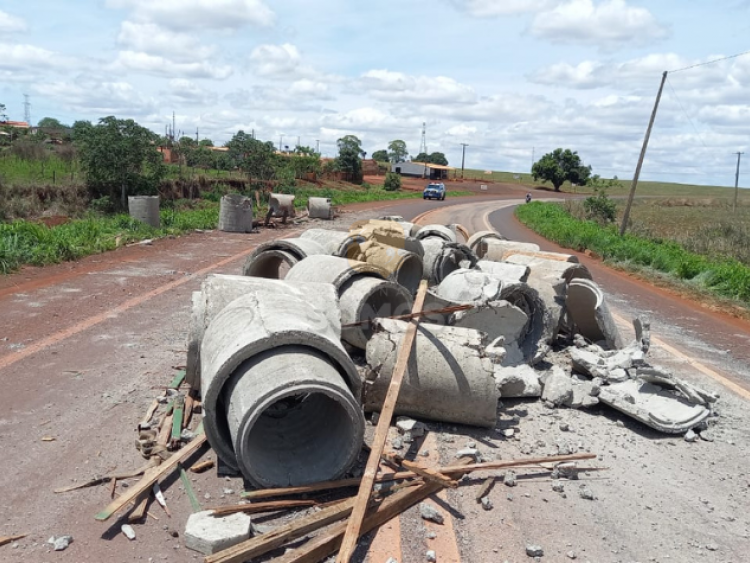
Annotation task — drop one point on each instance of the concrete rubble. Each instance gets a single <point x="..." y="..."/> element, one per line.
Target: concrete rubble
<point x="206" y="534"/>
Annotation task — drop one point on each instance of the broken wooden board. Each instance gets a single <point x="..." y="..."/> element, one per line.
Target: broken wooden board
<point x="260" y="507"/>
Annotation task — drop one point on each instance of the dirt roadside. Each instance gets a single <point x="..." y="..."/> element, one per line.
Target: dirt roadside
<point x="661" y="500"/>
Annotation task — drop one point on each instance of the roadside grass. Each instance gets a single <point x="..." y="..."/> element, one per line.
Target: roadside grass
<point x="27" y="172"/>
<point x="719" y="276"/>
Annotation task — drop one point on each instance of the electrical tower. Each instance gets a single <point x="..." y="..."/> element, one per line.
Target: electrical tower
<point x="26" y="109"/>
<point x="423" y="144"/>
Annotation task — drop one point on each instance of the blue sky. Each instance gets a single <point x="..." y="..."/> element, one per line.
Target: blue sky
<point x="511" y="78"/>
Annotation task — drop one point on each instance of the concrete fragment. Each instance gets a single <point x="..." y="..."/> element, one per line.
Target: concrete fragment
<point x="518" y="381"/>
<point x="510" y="479"/>
<point x="60" y="543"/>
<point x="506" y="271"/>
<point x="691" y="436"/>
<point x="486" y="503"/>
<point x="208" y="535"/>
<point x="320" y="208"/>
<point x="496" y="250"/>
<point x="533" y="550"/>
<point x="288" y="343"/>
<point x="558" y="387"/>
<point x="585" y="493"/>
<point x="468" y="452"/>
<point x="429" y="512"/>
<point x="128" y="531"/>
<point x="274" y="259"/>
<point x="589" y="313"/>
<point x="431" y="556"/>
<point x="447" y="379"/>
<point x="414" y="427"/>
<point x="236" y="214"/>
<point x="478" y="241"/>
<point x="558" y="487"/>
<point x="441" y="258"/>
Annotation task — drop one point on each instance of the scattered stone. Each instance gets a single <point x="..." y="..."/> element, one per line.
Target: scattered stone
<point x="558" y="388"/>
<point x="706" y="436"/>
<point x="375" y="418"/>
<point x="534" y="550"/>
<point x="392" y="560"/>
<point x="187" y="435"/>
<point x="712" y="547"/>
<point x="510" y="479"/>
<point x="129" y="532"/>
<point x="565" y="427"/>
<point x="406" y="424"/>
<point x="487" y="503"/>
<point x="228" y="491"/>
<point x="428" y="512"/>
<point x="424" y="453"/>
<point x="207" y="535"/>
<point x="60" y="543"/>
<point x="471" y="445"/>
<point x="408" y="438"/>
<point x="173" y="533"/>
<point x="431" y="556"/>
<point x="691" y="436"/>
<point x="517" y="381"/>
<point x="558" y="487"/>
<point x="468" y="452"/>
<point x="571" y="555"/>
<point x="397" y="443"/>
<point x="431" y="535"/>
<point x="509" y="497"/>
<point x="621" y="424"/>
<point x="585" y="493"/>
<point x="509" y="432"/>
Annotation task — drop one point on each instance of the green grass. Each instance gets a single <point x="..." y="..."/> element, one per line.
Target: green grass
<point x="15" y="170"/>
<point x="723" y="277"/>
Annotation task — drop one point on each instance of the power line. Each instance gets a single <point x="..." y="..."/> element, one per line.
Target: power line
<point x="685" y="112"/>
<point x="711" y="62"/>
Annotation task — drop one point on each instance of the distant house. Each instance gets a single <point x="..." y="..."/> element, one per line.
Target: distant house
<point x="15" y="124"/>
<point x="422" y="170"/>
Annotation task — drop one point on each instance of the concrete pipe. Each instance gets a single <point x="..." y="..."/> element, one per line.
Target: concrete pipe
<point x="553" y="269"/>
<point x="332" y="269"/>
<point x="440" y="231"/>
<point x="461" y="232"/>
<point x="478" y="241"/>
<point x="319" y="208"/>
<point x="270" y="320"/>
<point x="497" y="250"/>
<point x="589" y="314"/>
<point x="553" y="256"/>
<point x="441" y="258"/>
<point x="145" y="208"/>
<point x="508" y="272"/>
<point x="281" y="205"/>
<point x="403" y="267"/>
<point x="448" y="377"/>
<point x="332" y="241"/>
<point x="274" y="259"/>
<point x="236" y="214"/>
<point x="363" y="299"/>
<point x="292" y="419"/>
<point x="218" y="291"/>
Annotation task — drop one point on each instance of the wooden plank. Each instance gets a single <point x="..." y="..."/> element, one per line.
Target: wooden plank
<point x="141" y="505"/>
<point x="189" y="491"/>
<point x="8" y="539"/>
<point x="202" y="466"/>
<point x="147" y="482"/>
<point x="355" y="481"/>
<point x="178" y="379"/>
<point x="349" y="543"/>
<point x="189" y="403"/>
<point x="165" y="431"/>
<point x="259" y="507"/>
<point x="429" y="474"/>
<point x="259" y="545"/>
<point x="149" y="414"/>
<point x="485" y="488"/>
<point x="107" y="478"/>
<point x="177" y="414"/>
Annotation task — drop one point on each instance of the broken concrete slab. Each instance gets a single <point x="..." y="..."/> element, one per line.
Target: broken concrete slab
<point x="589" y="314"/>
<point x="208" y="535"/>
<point x="506" y="271"/>
<point x="518" y="381"/>
<point x="558" y="387"/>
<point x="448" y="378"/>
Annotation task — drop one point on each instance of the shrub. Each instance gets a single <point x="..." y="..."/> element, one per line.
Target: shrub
<point x="392" y="182"/>
<point x="599" y="207"/>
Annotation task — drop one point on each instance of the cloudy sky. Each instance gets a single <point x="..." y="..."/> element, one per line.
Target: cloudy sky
<point x="512" y="78"/>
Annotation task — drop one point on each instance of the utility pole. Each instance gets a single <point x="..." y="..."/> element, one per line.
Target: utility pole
<point x="197" y="131"/>
<point x="626" y="215"/>
<point x="533" y="155"/>
<point x="737" y="181"/>
<point x="174" y="127"/>
<point x="298" y="140"/>
<point x="281" y="138"/>
<point x="317" y="146"/>
<point x="26" y="109"/>
<point x="463" y="158"/>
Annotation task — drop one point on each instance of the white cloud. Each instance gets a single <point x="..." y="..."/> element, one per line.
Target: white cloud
<point x="183" y="91"/>
<point x="461" y="130"/>
<point x="155" y="40"/>
<point x="399" y="87"/>
<point x="300" y="96"/>
<point x="22" y="57"/>
<point x="493" y="8"/>
<point x="277" y="60"/>
<point x="11" y="24"/>
<point x="366" y="119"/>
<point x="90" y="96"/>
<point x="609" y="24"/>
<point x="159" y="66"/>
<point x="183" y="15"/>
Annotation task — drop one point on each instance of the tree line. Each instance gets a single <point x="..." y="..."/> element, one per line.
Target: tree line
<point x="398" y="152"/>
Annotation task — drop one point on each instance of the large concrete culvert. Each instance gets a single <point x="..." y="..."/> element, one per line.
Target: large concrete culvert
<point x="292" y="419"/>
<point x="274" y="259"/>
<point x="440" y="231"/>
<point x="292" y="333"/>
<point x="478" y="241"/>
<point x="442" y="257"/>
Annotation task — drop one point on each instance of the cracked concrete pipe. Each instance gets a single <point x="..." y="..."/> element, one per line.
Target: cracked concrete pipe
<point x="496" y="250"/>
<point x="440" y="231"/>
<point x="553" y="256"/>
<point x="219" y="290"/>
<point x="442" y="257"/>
<point x="460" y="231"/>
<point x="280" y="393"/>
<point x="589" y="314"/>
<point x="363" y="290"/>
<point x="274" y="259"/>
<point x="236" y="214"/>
<point x="281" y="205"/>
<point x="448" y="377"/>
<point x="319" y="208"/>
<point x="145" y="208"/>
<point x="509" y="273"/>
<point x="478" y="241"/>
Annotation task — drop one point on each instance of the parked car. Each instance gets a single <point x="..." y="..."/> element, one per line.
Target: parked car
<point x="434" y="191"/>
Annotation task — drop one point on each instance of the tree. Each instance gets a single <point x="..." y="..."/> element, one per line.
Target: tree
<point x="380" y="156"/>
<point x="397" y="151"/>
<point x="256" y="158"/>
<point x="560" y="166"/>
<point x="206" y="143"/>
<point x="350" y="157"/>
<point x="118" y="156"/>
<point x="3" y="115"/>
<point x="51" y="123"/>
<point x="392" y="182"/>
<point x="438" y="158"/>
<point x="421" y="157"/>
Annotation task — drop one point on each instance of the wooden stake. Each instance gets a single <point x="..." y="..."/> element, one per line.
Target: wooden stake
<point x="141" y="504"/>
<point x="189" y="403"/>
<point x="202" y="466"/>
<point x="430" y="474"/>
<point x="8" y="539"/>
<point x="261" y="507"/>
<point x="353" y="530"/>
<point x="485" y="488"/>
<point x="189" y="491"/>
<point x="146" y="483"/>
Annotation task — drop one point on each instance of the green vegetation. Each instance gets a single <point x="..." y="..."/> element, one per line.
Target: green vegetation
<point x="432" y="158"/>
<point x="560" y="166"/>
<point x="350" y="156"/>
<point x="392" y="182"/>
<point x="725" y="277"/>
<point x="380" y="156"/>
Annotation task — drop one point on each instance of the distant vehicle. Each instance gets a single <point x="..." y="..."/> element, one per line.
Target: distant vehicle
<point x="434" y="191"/>
<point x="528" y="198"/>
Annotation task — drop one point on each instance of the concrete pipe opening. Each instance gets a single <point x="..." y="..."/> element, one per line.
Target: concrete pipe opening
<point x="367" y="298"/>
<point x="271" y="264"/>
<point x="292" y="419"/>
<point x="409" y="272"/>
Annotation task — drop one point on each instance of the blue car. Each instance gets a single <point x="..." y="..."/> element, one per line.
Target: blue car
<point x="434" y="191"/>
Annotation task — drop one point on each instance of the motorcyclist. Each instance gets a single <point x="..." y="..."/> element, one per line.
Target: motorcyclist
<point x="528" y="198"/>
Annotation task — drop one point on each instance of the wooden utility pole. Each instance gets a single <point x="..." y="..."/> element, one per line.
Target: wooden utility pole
<point x="463" y="157"/>
<point x="737" y="181"/>
<point x="626" y="215"/>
